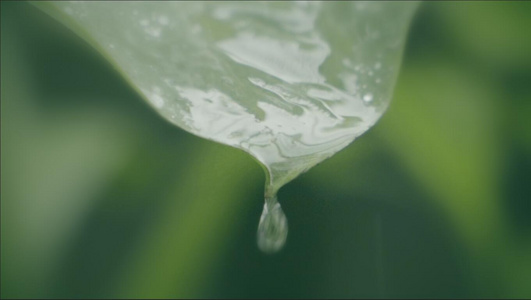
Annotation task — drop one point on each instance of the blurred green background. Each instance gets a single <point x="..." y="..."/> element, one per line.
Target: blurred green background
<point x="103" y="198"/>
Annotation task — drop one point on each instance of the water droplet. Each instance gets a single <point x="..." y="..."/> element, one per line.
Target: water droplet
<point x="367" y="97"/>
<point x="273" y="227"/>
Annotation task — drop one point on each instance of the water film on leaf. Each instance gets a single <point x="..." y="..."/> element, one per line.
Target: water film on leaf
<point x="290" y="83"/>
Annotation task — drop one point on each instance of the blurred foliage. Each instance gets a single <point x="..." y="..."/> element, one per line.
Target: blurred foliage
<point x="103" y="198"/>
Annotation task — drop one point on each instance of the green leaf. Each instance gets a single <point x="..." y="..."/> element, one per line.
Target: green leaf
<point x="291" y="83"/>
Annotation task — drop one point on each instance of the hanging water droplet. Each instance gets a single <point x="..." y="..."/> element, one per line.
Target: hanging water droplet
<point x="273" y="227"/>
